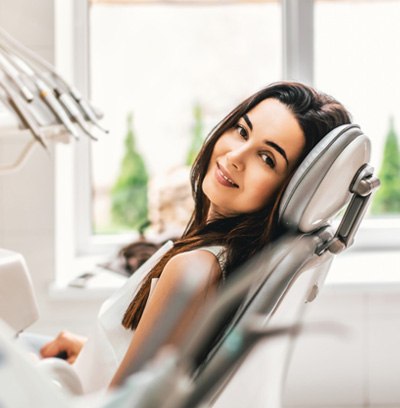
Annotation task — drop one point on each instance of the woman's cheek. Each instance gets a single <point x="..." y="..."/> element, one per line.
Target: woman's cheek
<point x="264" y="191"/>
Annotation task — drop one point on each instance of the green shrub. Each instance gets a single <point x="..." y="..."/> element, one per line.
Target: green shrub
<point x="129" y="193"/>
<point x="197" y="135"/>
<point x="387" y="198"/>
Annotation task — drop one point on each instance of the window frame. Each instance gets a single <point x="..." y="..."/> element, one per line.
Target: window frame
<point x="298" y="64"/>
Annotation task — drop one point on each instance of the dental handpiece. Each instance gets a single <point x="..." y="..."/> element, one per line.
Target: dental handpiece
<point x="70" y="108"/>
<point x="69" y="104"/>
<point x="86" y="108"/>
<point x="13" y="74"/>
<point x="24" y="52"/>
<point x="63" y="97"/>
<point x="47" y="95"/>
<point x="26" y="117"/>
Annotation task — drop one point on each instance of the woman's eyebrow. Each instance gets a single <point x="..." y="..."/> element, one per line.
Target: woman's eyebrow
<point x="247" y="120"/>
<point x="267" y="142"/>
<point x="278" y="149"/>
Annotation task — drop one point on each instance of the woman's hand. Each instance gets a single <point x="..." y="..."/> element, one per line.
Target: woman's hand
<point x="66" y="345"/>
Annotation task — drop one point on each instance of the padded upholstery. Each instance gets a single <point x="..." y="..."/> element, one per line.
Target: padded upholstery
<point x="315" y="193"/>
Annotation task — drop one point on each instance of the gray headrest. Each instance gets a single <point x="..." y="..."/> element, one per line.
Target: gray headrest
<point x="319" y="188"/>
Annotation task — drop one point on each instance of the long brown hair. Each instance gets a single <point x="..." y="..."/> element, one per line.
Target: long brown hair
<point x="244" y="235"/>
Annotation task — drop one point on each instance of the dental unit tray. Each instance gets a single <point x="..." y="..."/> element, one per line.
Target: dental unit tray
<point x="41" y="100"/>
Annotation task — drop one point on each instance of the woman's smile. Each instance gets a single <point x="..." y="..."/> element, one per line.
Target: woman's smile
<point x="223" y="177"/>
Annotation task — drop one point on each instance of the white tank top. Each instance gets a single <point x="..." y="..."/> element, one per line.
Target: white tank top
<point x="105" y="348"/>
<point x="220" y="253"/>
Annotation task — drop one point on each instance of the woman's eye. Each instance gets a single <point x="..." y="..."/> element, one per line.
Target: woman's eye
<point x="268" y="160"/>
<point x="242" y="131"/>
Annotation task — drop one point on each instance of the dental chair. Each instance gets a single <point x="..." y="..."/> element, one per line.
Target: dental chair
<point x="335" y="174"/>
<point x="248" y="363"/>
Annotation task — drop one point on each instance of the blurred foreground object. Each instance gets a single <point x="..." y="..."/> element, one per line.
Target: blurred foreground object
<point x="18" y="305"/>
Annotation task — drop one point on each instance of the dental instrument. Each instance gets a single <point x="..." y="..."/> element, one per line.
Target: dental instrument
<point x="17" y="48"/>
<point x="41" y="99"/>
<point x="69" y="104"/>
<point x="25" y="115"/>
<point x="13" y="74"/>
<point x="89" y="112"/>
<point x="48" y="97"/>
<point x="65" y="99"/>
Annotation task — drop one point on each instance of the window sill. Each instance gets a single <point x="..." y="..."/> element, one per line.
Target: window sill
<point x="100" y="283"/>
<point x="355" y="270"/>
<point x="59" y="292"/>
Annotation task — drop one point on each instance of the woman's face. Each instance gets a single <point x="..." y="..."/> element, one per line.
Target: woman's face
<point x="250" y="161"/>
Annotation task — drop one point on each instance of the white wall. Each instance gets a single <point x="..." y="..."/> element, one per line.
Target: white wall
<point x="360" y="369"/>
<point x="27" y="208"/>
<point x="27" y="203"/>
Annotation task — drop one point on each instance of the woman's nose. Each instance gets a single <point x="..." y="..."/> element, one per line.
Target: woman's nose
<point x="236" y="158"/>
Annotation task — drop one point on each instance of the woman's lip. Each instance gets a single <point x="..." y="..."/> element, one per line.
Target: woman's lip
<point x="223" y="177"/>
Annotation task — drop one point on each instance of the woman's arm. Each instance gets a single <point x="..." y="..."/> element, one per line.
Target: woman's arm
<point x="199" y="263"/>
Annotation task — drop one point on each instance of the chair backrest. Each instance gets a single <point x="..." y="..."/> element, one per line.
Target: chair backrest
<point x="321" y="186"/>
<point x="286" y="276"/>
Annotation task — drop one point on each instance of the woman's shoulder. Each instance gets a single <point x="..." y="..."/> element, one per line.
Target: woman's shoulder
<point x="195" y="258"/>
<point x="199" y="261"/>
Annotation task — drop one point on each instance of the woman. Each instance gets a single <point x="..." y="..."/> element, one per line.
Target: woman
<point x="237" y="180"/>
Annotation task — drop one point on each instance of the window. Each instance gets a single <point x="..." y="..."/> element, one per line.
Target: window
<point x="173" y="70"/>
<point x="358" y="61"/>
<point x="163" y="62"/>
